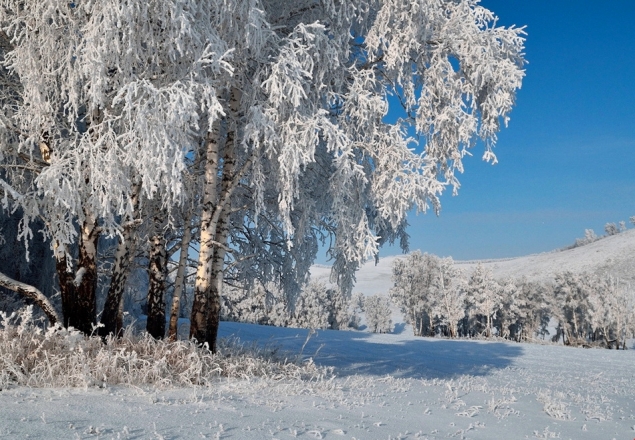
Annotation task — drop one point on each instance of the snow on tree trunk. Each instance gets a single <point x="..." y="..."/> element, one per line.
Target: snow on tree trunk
<point x="33" y="294"/>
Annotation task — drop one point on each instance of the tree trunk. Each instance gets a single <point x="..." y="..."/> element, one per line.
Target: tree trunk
<point x="78" y="292"/>
<point x="206" y="314"/>
<point x="179" y="281"/>
<point x="124" y="255"/>
<point x="198" y="321"/>
<point x="67" y="288"/>
<point x="32" y="293"/>
<point x="218" y="265"/>
<point x="157" y="272"/>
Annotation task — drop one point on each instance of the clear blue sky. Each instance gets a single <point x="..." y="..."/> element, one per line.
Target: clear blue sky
<point x="567" y="159"/>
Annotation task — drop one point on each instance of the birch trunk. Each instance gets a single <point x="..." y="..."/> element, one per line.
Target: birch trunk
<point x="179" y="281"/>
<point x="123" y="257"/>
<point x="31" y="293"/>
<point x="67" y="288"/>
<point x="228" y="183"/>
<point x="78" y="292"/>
<point x="157" y="272"/>
<point x="198" y="320"/>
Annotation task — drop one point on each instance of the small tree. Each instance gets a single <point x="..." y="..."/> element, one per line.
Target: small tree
<point x="611" y="229"/>
<point x="415" y="279"/>
<point x="484" y="297"/>
<point x="355" y="308"/>
<point x="377" y="309"/>
<point x="572" y="307"/>
<point x="534" y="310"/>
<point x="311" y="308"/>
<point x="589" y="237"/>
<point x="449" y="303"/>
<point x="511" y="309"/>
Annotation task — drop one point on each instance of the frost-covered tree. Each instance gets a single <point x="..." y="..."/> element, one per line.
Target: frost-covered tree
<point x="612" y="302"/>
<point x="355" y="308"/>
<point x="511" y="310"/>
<point x="572" y="306"/>
<point x="484" y="297"/>
<point x="269" y="96"/>
<point x="589" y="237"/>
<point x="416" y="279"/>
<point x="632" y="220"/>
<point x="378" y="314"/>
<point x="611" y="229"/>
<point x="312" y="307"/>
<point x="449" y="304"/>
<point x="533" y="310"/>
<point x="109" y="92"/>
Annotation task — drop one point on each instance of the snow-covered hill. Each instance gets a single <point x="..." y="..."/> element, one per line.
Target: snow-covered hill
<point x="614" y="255"/>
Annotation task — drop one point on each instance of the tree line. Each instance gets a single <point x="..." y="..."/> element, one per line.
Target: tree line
<point x="582" y="308"/>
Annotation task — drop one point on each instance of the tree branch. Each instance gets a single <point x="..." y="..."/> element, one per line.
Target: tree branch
<point x="32" y="293"/>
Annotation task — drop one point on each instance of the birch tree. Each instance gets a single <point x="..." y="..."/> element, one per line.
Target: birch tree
<point x="274" y="97"/>
<point x="449" y="306"/>
<point x="109" y="92"/>
<point x="416" y="279"/>
<point x="310" y="85"/>
<point x="484" y="296"/>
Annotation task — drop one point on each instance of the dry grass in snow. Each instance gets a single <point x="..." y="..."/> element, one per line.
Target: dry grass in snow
<point x="59" y="357"/>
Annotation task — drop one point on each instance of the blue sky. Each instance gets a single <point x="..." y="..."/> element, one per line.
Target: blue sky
<point x="567" y="159"/>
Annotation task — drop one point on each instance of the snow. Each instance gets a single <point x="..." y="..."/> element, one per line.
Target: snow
<point x="385" y="386"/>
<point x="614" y="255"/>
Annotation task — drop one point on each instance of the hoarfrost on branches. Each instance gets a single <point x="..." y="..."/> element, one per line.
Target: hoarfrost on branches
<point x="278" y="108"/>
<point x="377" y="310"/>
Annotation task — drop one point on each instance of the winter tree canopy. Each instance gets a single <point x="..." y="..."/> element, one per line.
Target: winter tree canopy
<point x="276" y="108"/>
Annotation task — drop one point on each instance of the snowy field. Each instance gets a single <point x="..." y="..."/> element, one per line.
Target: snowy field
<point x="390" y="386"/>
<point x="383" y="386"/>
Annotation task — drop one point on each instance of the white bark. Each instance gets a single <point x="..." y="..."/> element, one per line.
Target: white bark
<point x="33" y="294"/>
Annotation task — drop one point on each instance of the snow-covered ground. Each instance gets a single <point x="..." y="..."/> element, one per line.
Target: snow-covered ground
<point x="385" y="386"/>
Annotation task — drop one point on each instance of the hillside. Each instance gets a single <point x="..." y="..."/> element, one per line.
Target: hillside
<point x="614" y="255"/>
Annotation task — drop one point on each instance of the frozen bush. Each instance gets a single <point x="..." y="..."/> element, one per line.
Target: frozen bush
<point x="611" y="229"/>
<point x="589" y="237"/>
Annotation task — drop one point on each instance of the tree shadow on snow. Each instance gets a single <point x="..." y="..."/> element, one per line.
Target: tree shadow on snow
<point x="398" y="355"/>
<point x="399" y="328"/>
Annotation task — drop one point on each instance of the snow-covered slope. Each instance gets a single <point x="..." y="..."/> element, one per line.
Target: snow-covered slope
<point x="614" y="255"/>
